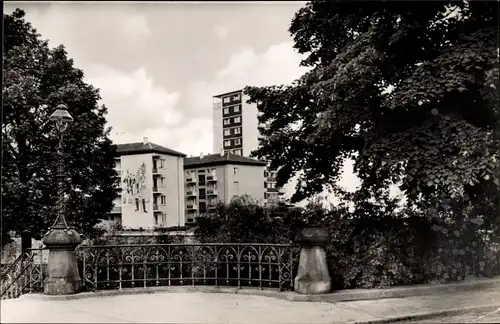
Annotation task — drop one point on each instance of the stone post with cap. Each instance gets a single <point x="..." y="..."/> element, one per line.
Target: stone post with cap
<point x="62" y="269"/>
<point x="313" y="276"/>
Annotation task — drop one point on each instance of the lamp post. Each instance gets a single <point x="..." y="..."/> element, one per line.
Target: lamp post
<point x="61" y="240"/>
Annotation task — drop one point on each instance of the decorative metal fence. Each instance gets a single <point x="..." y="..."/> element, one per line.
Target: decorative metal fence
<point x="24" y="275"/>
<point x="147" y="265"/>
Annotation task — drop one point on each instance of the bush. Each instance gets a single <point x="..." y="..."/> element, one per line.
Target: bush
<point x="371" y="247"/>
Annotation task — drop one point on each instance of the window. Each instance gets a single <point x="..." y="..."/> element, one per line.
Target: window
<point x="271" y="185"/>
<point x="164" y="218"/>
<point x="203" y="207"/>
<point x="201" y="180"/>
<point x="226" y="121"/>
<point x="237" y="108"/>
<point x="163" y="200"/>
<point x="225" y="100"/>
<point x="265" y="184"/>
<point x="227" y="143"/>
<point x="235" y="170"/>
<point x="237" y="152"/>
<point x="162" y="163"/>
<point x="265" y="174"/>
<point x="227" y="132"/>
<point x="162" y="181"/>
<point x="237" y="130"/>
<point x="202" y="192"/>
<point x="226" y="111"/>
<point x="236" y="185"/>
<point x="237" y="119"/>
<point x="236" y="97"/>
<point x="265" y="195"/>
<point x="237" y="141"/>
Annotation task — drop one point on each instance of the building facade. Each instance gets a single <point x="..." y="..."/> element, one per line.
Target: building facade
<point x="236" y="130"/>
<point x="152" y="187"/>
<point x="214" y="178"/>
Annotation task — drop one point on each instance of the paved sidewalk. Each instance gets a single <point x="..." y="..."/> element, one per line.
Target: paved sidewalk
<point x="198" y="307"/>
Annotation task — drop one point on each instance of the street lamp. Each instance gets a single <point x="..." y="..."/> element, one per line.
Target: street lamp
<point x="61" y="118"/>
<point x="61" y="240"/>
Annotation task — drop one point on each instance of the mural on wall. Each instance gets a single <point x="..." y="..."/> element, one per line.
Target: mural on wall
<point x="135" y="189"/>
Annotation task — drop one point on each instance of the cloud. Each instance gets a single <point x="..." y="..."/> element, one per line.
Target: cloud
<point x="278" y="65"/>
<point x="113" y="31"/>
<point x="135" y="103"/>
<point x="220" y="31"/>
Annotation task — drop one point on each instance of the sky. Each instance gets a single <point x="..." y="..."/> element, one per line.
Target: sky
<point x="159" y="64"/>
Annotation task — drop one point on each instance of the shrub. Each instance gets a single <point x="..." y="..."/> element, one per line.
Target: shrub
<point x="373" y="246"/>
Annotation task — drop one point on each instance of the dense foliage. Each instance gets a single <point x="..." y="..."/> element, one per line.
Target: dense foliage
<point x="36" y="79"/>
<point x="390" y="247"/>
<point x="408" y="90"/>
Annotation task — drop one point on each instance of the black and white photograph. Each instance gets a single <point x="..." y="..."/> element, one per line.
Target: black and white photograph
<point x="248" y="162"/>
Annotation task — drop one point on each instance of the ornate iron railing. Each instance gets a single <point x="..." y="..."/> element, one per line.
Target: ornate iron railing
<point x="24" y="275"/>
<point x="239" y="265"/>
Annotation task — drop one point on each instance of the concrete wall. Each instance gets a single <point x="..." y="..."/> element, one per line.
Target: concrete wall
<point x="137" y="195"/>
<point x="174" y="190"/>
<point x="217" y="125"/>
<point x="250" y="180"/>
<point x="250" y="126"/>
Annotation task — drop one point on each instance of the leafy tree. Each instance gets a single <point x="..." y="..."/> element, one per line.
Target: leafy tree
<point x="408" y="90"/>
<point x="36" y="79"/>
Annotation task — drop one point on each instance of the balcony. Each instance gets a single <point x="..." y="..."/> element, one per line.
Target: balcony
<point x="211" y="192"/>
<point x="116" y="210"/>
<point x="191" y="179"/>
<point x="191" y="193"/>
<point x="191" y="207"/>
<point x="271" y="178"/>
<point x="156" y="171"/>
<point x="211" y="178"/>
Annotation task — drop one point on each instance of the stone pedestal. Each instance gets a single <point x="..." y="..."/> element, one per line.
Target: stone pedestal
<point x="312" y="276"/>
<point x="62" y="269"/>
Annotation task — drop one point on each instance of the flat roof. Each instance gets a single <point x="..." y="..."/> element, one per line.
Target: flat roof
<point x="228" y="93"/>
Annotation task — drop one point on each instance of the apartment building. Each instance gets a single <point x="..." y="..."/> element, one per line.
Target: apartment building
<point x="212" y="178"/>
<point x="236" y="130"/>
<point x="151" y="178"/>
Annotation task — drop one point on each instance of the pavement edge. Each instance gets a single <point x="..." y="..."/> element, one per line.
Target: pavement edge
<point x="431" y="315"/>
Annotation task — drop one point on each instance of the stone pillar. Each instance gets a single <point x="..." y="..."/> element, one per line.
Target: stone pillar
<point x="312" y="276"/>
<point x="62" y="270"/>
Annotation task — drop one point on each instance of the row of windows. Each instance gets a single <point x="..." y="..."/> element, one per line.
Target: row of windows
<point x="270" y="174"/>
<point x="232" y="131"/>
<point x="269" y="185"/>
<point x="202" y="192"/>
<point x="236" y="152"/>
<point x="236" y="141"/>
<point x="234" y="109"/>
<point x="159" y="164"/>
<point x="228" y="99"/>
<point x="163" y="182"/>
<point x="161" y="219"/>
<point x="163" y="200"/>
<point x="233" y="120"/>
<point x="270" y="195"/>
<point x="211" y="172"/>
